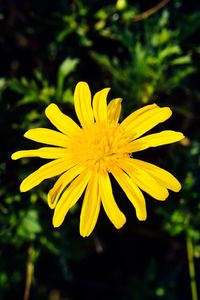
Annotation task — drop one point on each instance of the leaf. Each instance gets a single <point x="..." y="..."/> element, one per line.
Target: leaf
<point x="67" y="66"/>
<point x="29" y="226"/>
<point x="186" y="59"/>
<point x="169" y="51"/>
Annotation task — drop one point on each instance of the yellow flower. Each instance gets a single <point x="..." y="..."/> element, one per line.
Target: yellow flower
<point x="85" y="155"/>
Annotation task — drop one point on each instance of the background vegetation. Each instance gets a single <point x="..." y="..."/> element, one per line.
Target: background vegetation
<point x="146" y="51"/>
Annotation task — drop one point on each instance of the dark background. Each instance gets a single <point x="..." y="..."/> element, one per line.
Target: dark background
<point x="46" y="47"/>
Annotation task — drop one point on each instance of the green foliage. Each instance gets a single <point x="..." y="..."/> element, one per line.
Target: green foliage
<point x="67" y="66"/>
<point x="39" y="88"/>
<point x="184" y="219"/>
<point x="153" y="60"/>
<point x="29" y="225"/>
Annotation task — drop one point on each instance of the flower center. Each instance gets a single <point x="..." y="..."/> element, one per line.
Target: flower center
<point x="99" y="145"/>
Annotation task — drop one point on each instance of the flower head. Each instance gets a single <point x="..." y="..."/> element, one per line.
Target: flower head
<point x="85" y="155"/>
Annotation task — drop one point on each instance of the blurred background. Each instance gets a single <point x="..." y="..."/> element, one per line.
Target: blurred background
<point x="146" y="51"/>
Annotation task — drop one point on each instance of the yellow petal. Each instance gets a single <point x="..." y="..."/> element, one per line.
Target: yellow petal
<point x="61" y="121"/>
<point x="91" y="206"/>
<point x="154" y="140"/>
<point x="70" y="197"/>
<point x="100" y="105"/>
<point x="163" y="177"/>
<point x="145" y="121"/>
<point x="112" y="210"/>
<point x="132" y="191"/>
<point x="47" y="136"/>
<point x="45" y="152"/>
<point x="114" y="110"/>
<point x="82" y="103"/>
<point x="61" y="183"/>
<point x="139" y="112"/>
<point x="48" y="170"/>
<point x="143" y="180"/>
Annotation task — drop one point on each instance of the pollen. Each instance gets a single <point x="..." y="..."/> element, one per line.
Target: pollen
<point x="99" y="145"/>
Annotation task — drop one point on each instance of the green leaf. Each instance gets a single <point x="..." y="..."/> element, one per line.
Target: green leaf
<point x="186" y="59"/>
<point x="67" y="66"/>
<point x="169" y="51"/>
<point x="29" y="226"/>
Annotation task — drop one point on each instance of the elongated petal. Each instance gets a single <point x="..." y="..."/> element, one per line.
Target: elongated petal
<point x="47" y="136"/>
<point x="146" y="121"/>
<point x="143" y="180"/>
<point x="61" y="121"/>
<point x="100" y="105"/>
<point x="70" y="197"/>
<point x="91" y="206"/>
<point x="112" y="210"/>
<point x="158" y="116"/>
<point x="61" y="183"/>
<point x="151" y="186"/>
<point x="114" y="110"/>
<point x="48" y="170"/>
<point x="154" y="140"/>
<point x="162" y="176"/>
<point x="45" y="152"/>
<point x="136" y="114"/>
<point x="82" y="103"/>
<point x="132" y="191"/>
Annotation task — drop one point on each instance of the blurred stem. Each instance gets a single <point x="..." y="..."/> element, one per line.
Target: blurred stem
<point x="191" y="266"/>
<point x="29" y="272"/>
<point x="150" y="11"/>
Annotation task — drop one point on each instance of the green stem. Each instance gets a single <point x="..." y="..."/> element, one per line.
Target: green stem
<point x="191" y="267"/>
<point x="29" y="273"/>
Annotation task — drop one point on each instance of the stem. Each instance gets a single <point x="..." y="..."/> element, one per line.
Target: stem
<point x="29" y="273"/>
<point x="191" y="267"/>
<point x="150" y="11"/>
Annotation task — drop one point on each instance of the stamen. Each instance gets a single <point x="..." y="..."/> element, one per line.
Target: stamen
<point x="100" y="144"/>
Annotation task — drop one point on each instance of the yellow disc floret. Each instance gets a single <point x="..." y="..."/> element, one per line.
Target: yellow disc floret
<point x="99" y="145"/>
